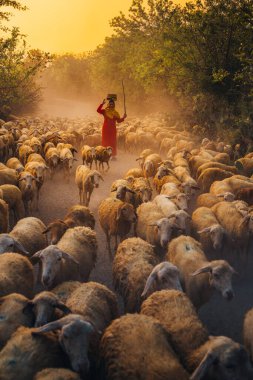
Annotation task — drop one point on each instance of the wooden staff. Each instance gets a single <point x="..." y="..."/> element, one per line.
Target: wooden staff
<point x="124" y="95"/>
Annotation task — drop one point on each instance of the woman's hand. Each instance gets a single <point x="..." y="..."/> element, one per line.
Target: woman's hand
<point x="104" y="101"/>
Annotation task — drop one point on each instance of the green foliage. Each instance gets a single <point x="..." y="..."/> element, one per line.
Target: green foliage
<point x="19" y="67"/>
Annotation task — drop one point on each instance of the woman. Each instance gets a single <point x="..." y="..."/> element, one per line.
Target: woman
<point x="109" y="132"/>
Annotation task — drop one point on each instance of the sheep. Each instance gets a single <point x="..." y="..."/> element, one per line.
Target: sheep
<point x="76" y="216"/>
<point x="152" y="226"/>
<point x="143" y="155"/>
<point x="187" y="254"/>
<point x="216" y="358"/>
<point x="56" y="374"/>
<point x="245" y="194"/>
<point x="13" y="197"/>
<point x="4" y="216"/>
<point x="52" y="158"/>
<point x="208" y="176"/>
<point x="86" y="180"/>
<point x="16" y="275"/>
<point x="35" y="144"/>
<point x="170" y="210"/>
<point x="115" y="218"/>
<point x="37" y="169"/>
<point x="212" y="164"/>
<point x="125" y="356"/>
<point x="8" y="176"/>
<point x="28" y="188"/>
<point x="103" y="155"/>
<point x="35" y="157"/>
<point x="231" y="185"/>
<point x="121" y="189"/>
<point x="72" y="258"/>
<point x="245" y="166"/>
<point x="134" y="172"/>
<point x="172" y="192"/>
<point x="14" y="163"/>
<point x="26" y="237"/>
<point x="209" y="200"/>
<point x="93" y="305"/>
<point x="212" y="234"/>
<point x="63" y="290"/>
<point x="15" y="312"/>
<point x="88" y="155"/>
<point x="247" y="332"/>
<point x="67" y="159"/>
<point x="132" y="264"/>
<point x="142" y="190"/>
<point x="188" y="183"/>
<point x="151" y="164"/>
<point x="23" y="153"/>
<point x="170" y="178"/>
<point x="237" y="223"/>
<point x="25" y="354"/>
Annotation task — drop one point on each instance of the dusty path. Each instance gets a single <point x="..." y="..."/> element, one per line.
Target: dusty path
<point x="220" y="316"/>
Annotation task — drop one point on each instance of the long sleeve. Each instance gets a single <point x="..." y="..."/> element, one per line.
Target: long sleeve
<point x="100" y="110"/>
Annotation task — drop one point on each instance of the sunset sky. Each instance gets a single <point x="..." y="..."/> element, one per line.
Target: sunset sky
<point x="61" y="26"/>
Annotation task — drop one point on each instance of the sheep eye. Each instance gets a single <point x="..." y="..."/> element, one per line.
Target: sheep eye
<point x="59" y="259"/>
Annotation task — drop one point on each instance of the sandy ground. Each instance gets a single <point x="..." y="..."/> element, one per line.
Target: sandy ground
<point x="221" y="317"/>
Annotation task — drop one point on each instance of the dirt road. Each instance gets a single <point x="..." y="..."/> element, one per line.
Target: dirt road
<point x="220" y="316"/>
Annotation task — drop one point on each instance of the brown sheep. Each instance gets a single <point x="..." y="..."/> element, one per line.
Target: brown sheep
<point x="134" y="172"/>
<point x="77" y="216"/>
<point x="125" y="356"/>
<point x="26" y="237"/>
<point x="73" y="258"/>
<point x="15" y="312"/>
<point x="248" y="332"/>
<point x="4" y="216"/>
<point x="212" y="234"/>
<point x="86" y="180"/>
<point x="25" y="354"/>
<point x="116" y="218"/>
<point x="209" y="200"/>
<point x="14" y="163"/>
<point x="216" y="358"/>
<point x="142" y="189"/>
<point x="200" y="277"/>
<point x="95" y="307"/>
<point x="208" y="176"/>
<point x="237" y="223"/>
<point x="64" y="290"/>
<point x="56" y="374"/>
<point x="245" y="166"/>
<point x="103" y="155"/>
<point x="8" y="176"/>
<point x="16" y="275"/>
<point x="132" y="264"/>
<point x="245" y="195"/>
<point x="13" y="196"/>
<point x="213" y="164"/>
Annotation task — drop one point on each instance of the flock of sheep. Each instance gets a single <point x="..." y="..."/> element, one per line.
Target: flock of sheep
<point x="181" y="224"/>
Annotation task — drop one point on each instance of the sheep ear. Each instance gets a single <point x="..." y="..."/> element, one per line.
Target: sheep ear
<point x="21" y="248"/>
<point x="201" y="371"/>
<point x="150" y="282"/>
<point x="205" y="269"/>
<point x="66" y="256"/>
<point x="52" y="326"/>
<point x="61" y="306"/>
<point x="36" y="257"/>
<point x="46" y="230"/>
<point x="118" y="213"/>
<point x="207" y="229"/>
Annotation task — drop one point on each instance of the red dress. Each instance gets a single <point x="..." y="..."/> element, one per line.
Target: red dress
<point x="109" y="132"/>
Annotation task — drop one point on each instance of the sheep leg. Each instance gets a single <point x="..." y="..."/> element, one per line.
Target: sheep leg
<point x="109" y="244"/>
<point x="116" y="243"/>
<point x="80" y="196"/>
